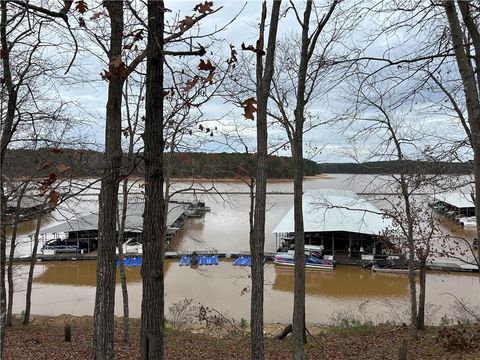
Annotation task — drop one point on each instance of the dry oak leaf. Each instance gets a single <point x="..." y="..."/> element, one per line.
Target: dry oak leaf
<point x="251" y="48"/>
<point x="81" y="6"/>
<point x="106" y="76"/>
<point x="53" y="199"/>
<point x="209" y="78"/>
<point x="96" y="15"/>
<point x="204" y="8"/>
<point x="206" y="66"/>
<point x="249" y="108"/>
<point x="233" y="55"/>
<point x="186" y="23"/>
<point x="189" y="85"/>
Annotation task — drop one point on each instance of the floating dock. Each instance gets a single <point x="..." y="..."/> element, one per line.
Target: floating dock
<point x="242" y="258"/>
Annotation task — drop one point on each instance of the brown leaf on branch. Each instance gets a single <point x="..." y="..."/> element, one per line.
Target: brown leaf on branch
<point x="106" y="75"/>
<point x="206" y="7"/>
<point x="253" y="49"/>
<point x="46" y="183"/>
<point x="209" y="78"/>
<point x="233" y="55"/>
<point x="186" y="23"/>
<point x="249" y="108"/>
<point x="81" y="6"/>
<point x="189" y="85"/>
<point x="138" y="35"/>
<point x="53" y="199"/>
<point x="126" y="131"/>
<point x="206" y="66"/>
<point x="169" y="92"/>
<point x="96" y="15"/>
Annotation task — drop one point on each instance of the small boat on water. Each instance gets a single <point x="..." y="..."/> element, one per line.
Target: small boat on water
<point x="313" y="259"/>
<point x="392" y="270"/>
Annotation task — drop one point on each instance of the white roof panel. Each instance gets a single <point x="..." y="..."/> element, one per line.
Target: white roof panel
<point x="336" y="210"/>
<point x="457" y="199"/>
<point x="134" y="221"/>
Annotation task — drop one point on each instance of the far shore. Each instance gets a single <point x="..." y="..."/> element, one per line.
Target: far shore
<point x="205" y="179"/>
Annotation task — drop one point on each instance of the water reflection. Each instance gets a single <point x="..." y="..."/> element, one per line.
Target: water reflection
<point x="344" y="281"/>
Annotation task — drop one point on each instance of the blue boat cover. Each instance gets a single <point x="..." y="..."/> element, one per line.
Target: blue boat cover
<point x="185" y="261"/>
<point x="131" y="261"/>
<point x="243" y="261"/>
<point x="202" y="260"/>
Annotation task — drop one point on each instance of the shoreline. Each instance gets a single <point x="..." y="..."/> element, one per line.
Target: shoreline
<point x="346" y="340"/>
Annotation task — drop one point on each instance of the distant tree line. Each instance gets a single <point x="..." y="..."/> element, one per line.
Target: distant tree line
<point x="394" y="166"/>
<point x="89" y="163"/>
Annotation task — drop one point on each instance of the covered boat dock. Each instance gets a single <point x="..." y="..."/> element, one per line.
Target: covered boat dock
<point x="80" y="235"/>
<point x="454" y="204"/>
<point x="341" y="222"/>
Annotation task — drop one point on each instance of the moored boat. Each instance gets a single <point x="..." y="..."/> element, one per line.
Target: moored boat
<point x="377" y="268"/>
<point x="312" y="260"/>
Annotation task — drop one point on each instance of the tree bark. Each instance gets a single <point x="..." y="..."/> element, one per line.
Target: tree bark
<point x="11" y="289"/>
<point x="103" y="318"/>
<point x="7" y="132"/>
<point x="121" y="266"/>
<point x="299" y="336"/>
<point x="12" y="254"/>
<point x="409" y="235"/>
<point x="257" y="240"/>
<point x="152" y="322"/>
<point x="33" y="260"/>
<point x="421" y="296"/>
<point x="470" y="90"/>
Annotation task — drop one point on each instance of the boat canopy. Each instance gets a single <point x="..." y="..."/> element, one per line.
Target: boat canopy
<point x="134" y="220"/>
<point x="336" y="210"/>
<point x="457" y="199"/>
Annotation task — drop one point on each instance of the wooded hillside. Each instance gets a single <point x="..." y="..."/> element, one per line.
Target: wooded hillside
<point x="89" y="163"/>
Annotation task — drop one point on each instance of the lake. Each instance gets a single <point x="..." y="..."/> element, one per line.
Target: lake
<point x="69" y="287"/>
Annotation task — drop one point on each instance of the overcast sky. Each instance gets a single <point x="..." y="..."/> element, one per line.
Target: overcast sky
<point x="333" y="139"/>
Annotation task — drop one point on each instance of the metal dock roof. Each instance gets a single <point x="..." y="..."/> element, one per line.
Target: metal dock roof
<point x="134" y="221"/>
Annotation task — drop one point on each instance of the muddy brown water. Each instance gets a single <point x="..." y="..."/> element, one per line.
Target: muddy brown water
<point x="345" y="292"/>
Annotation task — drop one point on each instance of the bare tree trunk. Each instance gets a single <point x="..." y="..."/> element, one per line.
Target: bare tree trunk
<point x="257" y="241"/>
<point x="7" y="131"/>
<point x="33" y="260"/>
<point x="413" y="289"/>
<point x="299" y="291"/>
<point x="12" y="254"/>
<point x="11" y="289"/>
<point x="3" y="257"/>
<point x="297" y="154"/>
<point x="153" y="323"/>
<point x="123" y="276"/>
<point x="103" y="318"/>
<point x="421" y="296"/>
<point x="470" y="87"/>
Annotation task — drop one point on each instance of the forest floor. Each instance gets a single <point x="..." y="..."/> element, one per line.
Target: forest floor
<point x="44" y="339"/>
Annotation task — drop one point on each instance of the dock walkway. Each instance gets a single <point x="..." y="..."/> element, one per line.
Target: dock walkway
<point x="436" y="266"/>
